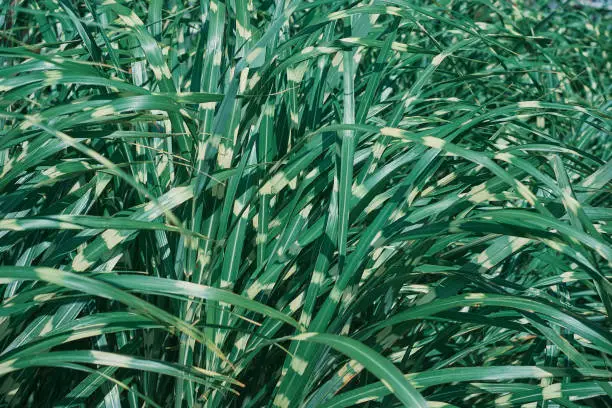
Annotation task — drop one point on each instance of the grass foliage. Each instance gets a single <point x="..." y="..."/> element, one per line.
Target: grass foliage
<point x="305" y="203"/>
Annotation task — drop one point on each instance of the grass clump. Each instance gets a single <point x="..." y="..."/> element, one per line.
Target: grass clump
<point x="305" y="203"/>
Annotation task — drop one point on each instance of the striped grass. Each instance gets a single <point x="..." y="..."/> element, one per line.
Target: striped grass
<point x="305" y="203"/>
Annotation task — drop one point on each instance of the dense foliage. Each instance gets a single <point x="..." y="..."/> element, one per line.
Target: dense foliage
<point x="319" y="203"/>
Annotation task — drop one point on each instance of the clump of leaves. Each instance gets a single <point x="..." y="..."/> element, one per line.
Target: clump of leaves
<point x="305" y="204"/>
